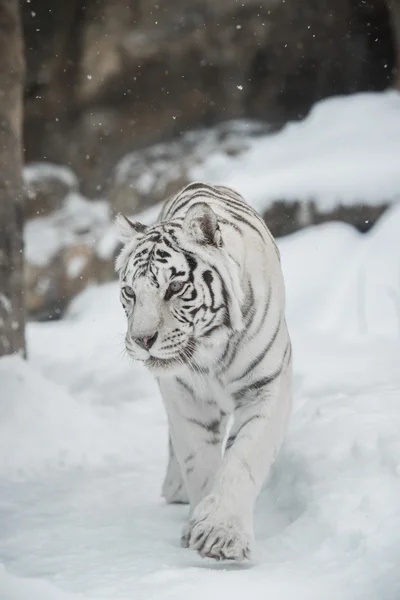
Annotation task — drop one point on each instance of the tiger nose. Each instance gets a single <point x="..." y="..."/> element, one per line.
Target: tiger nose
<point x="146" y="341"/>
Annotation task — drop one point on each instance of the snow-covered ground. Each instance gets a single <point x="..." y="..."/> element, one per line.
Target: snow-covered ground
<point x="83" y="449"/>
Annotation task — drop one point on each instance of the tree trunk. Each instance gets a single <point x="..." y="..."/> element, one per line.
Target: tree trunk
<point x="12" y="321"/>
<point x="394" y="11"/>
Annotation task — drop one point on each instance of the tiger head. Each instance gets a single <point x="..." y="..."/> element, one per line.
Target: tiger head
<point x="179" y="288"/>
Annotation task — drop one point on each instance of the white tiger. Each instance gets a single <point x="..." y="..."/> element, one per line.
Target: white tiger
<point x="204" y="298"/>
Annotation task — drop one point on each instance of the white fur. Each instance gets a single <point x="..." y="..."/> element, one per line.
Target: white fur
<point x="222" y="487"/>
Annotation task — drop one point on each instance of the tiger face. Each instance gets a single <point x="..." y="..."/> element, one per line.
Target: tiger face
<point x="176" y="297"/>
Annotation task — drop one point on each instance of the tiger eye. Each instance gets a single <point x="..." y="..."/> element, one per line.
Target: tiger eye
<point x="176" y="286"/>
<point x="173" y="288"/>
<point x="128" y="291"/>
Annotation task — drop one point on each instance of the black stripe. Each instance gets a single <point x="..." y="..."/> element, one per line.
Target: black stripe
<point x="241" y="204"/>
<point x="221" y="195"/>
<point x="183" y="197"/>
<point x="186" y="386"/>
<point x="192" y="264"/>
<point x="163" y="253"/>
<point x="179" y="317"/>
<point x="230" y="224"/>
<point x="214" y="441"/>
<point x="225" y="296"/>
<point x="210" y="426"/>
<point x="241" y="219"/>
<point x="230" y="441"/>
<point x="232" y="194"/>
<point x="288" y="350"/>
<point x="234" y="345"/>
<point x="211" y="330"/>
<point x="236" y="200"/>
<point x="205" y="483"/>
<point x="247" y="468"/>
<point x="208" y="279"/>
<point x="264" y="315"/>
<point x="257" y="385"/>
<point x="249" y="420"/>
<point x="248" y="303"/>
<point x="262" y="355"/>
<point x="214" y="193"/>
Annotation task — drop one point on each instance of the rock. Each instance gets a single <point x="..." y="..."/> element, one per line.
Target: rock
<point x="65" y="251"/>
<point x="147" y="177"/>
<point x="46" y="186"/>
<point x="284" y="217"/>
<point x="113" y="76"/>
<point x="362" y="216"/>
<point x="49" y="289"/>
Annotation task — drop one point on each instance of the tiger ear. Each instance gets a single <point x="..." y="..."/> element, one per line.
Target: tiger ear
<point x="201" y="224"/>
<point x="127" y="229"/>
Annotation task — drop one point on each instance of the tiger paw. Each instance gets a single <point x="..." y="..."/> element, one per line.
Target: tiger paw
<point x="215" y="534"/>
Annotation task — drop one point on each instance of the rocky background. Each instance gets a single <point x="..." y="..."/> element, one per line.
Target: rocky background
<point x="107" y="76"/>
<point x="110" y="78"/>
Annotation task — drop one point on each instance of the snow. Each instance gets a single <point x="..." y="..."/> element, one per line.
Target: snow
<point x="44" y="170"/>
<point x="83" y="432"/>
<point x="5" y="303"/>
<point x="78" y="220"/>
<point x="365" y="273"/>
<point x="344" y="152"/>
<point x="158" y="165"/>
<point x="83" y="448"/>
<point x="75" y="266"/>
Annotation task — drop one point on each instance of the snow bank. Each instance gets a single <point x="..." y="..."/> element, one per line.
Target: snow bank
<point x="344" y="282"/>
<point x="43" y="427"/>
<point x="346" y="151"/>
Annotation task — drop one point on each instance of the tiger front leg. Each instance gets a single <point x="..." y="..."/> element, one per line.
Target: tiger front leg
<point x="197" y="428"/>
<point x="221" y="526"/>
<point x="174" y="488"/>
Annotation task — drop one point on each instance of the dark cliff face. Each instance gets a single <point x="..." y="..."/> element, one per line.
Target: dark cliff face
<point x="108" y="76"/>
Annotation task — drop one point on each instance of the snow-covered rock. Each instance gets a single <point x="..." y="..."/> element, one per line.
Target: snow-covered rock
<point x="340" y="163"/>
<point x="145" y="177"/>
<point x="46" y="186"/>
<point x="344" y="152"/>
<point x="61" y="255"/>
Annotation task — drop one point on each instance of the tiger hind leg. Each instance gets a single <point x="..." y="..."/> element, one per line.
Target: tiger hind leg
<point x="173" y="488"/>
